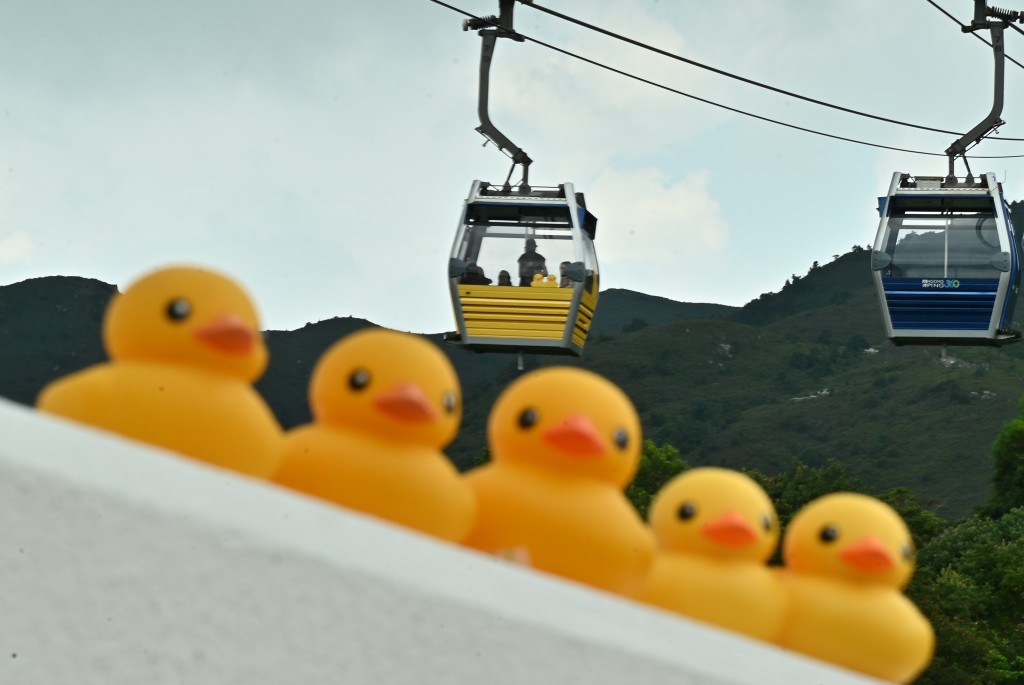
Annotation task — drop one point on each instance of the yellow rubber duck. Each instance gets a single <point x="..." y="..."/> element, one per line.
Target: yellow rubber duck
<point x="716" y="529"/>
<point x="185" y="347"/>
<point x="384" y="405"/>
<point x="847" y="556"/>
<point x="564" y="444"/>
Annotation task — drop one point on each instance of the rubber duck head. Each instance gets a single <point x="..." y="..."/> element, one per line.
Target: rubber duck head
<point x="394" y="385"/>
<point x="567" y="420"/>
<point x="850" y="536"/>
<point x="715" y="512"/>
<point x="188" y="316"/>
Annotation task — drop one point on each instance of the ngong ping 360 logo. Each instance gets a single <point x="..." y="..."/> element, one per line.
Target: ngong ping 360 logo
<point x="942" y="283"/>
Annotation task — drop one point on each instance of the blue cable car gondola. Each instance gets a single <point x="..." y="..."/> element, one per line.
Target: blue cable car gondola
<point x="946" y="260"/>
<point x="523" y="271"/>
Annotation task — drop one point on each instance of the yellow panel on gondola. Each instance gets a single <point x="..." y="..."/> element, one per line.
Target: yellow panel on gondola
<point x="531" y="334"/>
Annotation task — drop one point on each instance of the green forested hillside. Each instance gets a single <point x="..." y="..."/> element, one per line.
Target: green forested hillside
<point x="804" y="373"/>
<point x="799" y="388"/>
<point x="49" y="327"/>
<point x="632" y="310"/>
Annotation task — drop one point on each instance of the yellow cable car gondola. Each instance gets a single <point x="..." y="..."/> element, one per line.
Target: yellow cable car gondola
<point x="523" y="271"/>
<point x="538" y="249"/>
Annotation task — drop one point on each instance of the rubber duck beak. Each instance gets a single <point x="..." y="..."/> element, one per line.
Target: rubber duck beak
<point x="731" y="530"/>
<point x="577" y="437"/>
<point x="406" y="402"/>
<point x="868" y="555"/>
<point x="227" y="333"/>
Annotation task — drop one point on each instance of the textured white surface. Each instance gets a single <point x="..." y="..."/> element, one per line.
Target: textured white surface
<point x="123" y="564"/>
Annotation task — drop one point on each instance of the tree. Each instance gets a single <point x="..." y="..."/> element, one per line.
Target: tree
<point x="800" y="483"/>
<point x="970" y="584"/>
<point x="634" y="325"/>
<point x="924" y="524"/>
<point x="657" y="466"/>
<point x="1008" y="478"/>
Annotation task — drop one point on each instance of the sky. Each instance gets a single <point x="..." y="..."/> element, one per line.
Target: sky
<point x="319" y="151"/>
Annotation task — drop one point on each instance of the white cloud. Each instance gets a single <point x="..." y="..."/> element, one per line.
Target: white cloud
<point x="16" y="247"/>
<point x="664" y="237"/>
<point x="571" y="116"/>
<point x="655" y="220"/>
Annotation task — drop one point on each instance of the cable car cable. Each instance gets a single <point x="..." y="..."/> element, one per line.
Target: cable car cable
<point x="963" y="26"/>
<point x="719" y="105"/>
<point x="722" y="72"/>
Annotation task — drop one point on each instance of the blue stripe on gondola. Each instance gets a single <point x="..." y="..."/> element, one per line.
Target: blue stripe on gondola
<point x="966" y="307"/>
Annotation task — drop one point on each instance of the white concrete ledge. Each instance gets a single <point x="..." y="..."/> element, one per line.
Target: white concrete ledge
<point x="124" y="564"/>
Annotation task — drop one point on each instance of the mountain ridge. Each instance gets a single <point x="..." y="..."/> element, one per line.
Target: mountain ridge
<point x="803" y="373"/>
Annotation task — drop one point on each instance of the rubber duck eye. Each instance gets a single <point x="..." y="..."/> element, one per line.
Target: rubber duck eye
<point x="448" y="402"/>
<point x="621" y="438"/>
<point x="687" y="511"/>
<point x="179" y="309"/>
<point x="359" y="379"/>
<point x="527" y="418"/>
<point x="828" y="534"/>
<point x="766" y="522"/>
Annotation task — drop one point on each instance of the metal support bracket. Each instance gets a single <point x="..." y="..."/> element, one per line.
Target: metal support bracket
<point x="490" y="29"/>
<point x="992" y="121"/>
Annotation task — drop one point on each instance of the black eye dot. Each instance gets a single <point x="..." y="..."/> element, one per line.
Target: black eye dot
<point x="359" y="379"/>
<point x="448" y="402"/>
<point x="621" y="438"/>
<point x="527" y="418"/>
<point x="179" y="309"/>
<point x="828" y="534"/>
<point x="687" y="511"/>
<point x="767" y="522"/>
<point x="908" y="552"/>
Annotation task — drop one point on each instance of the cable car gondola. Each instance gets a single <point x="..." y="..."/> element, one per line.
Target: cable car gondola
<point x="946" y="262"/>
<point x="523" y="271"/>
<point x="946" y="259"/>
<point x="538" y="309"/>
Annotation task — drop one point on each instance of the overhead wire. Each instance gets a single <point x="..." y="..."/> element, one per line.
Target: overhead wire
<point x="963" y="26"/>
<point x="744" y="79"/>
<point x="711" y="102"/>
<point x="727" y="74"/>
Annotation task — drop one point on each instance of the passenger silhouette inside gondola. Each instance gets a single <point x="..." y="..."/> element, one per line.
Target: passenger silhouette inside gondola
<point x="504" y="278"/>
<point x="565" y="282"/>
<point x="475" y="275"/>
<point x="531" y="262"/>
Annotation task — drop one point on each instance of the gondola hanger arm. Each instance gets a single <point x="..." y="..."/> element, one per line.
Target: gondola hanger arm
<point x="1003" y="18"/>
<point x="490" y="29"/>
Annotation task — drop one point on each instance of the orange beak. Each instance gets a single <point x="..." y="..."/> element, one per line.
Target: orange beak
<point x="730" y="529"/>
<point x="227" y="333"/>
<point x="868" y="555"/>
<point x="577" y="437"/>
<point x="406" y="402"/>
